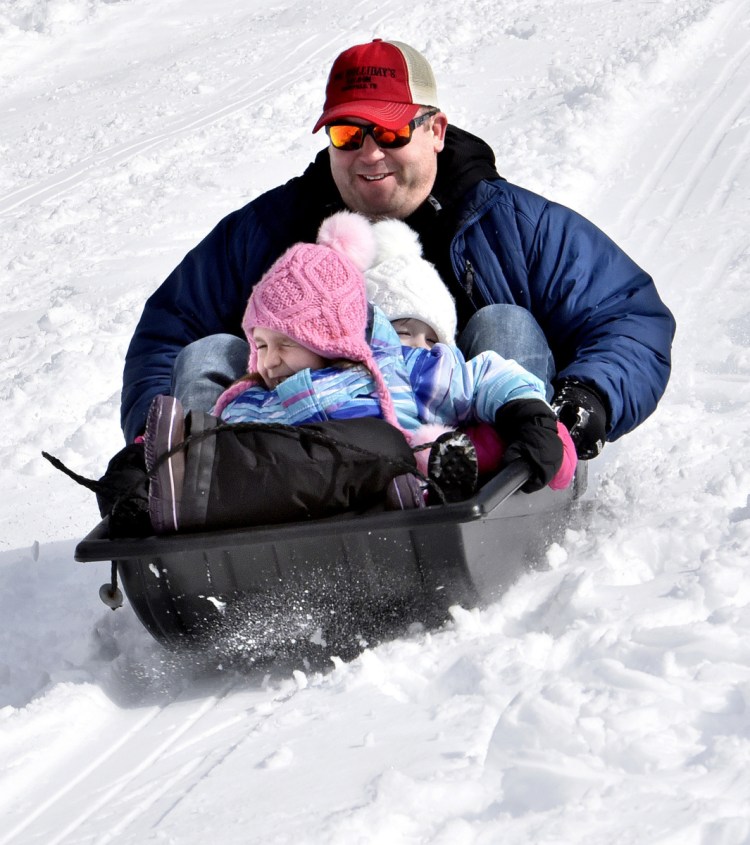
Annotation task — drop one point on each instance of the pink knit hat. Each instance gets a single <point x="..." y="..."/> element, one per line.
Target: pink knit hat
<point x="315" y="294"/>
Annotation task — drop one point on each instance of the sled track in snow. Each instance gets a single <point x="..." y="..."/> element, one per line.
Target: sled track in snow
<point x="309" y="53"/>
<point x="90" y="779"/>
<point x="58" y="184"/>
<point x="119" y="787"/>
<point x="707" y="149"/>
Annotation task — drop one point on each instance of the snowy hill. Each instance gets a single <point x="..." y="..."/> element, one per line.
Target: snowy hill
<point x="604" y="699"/>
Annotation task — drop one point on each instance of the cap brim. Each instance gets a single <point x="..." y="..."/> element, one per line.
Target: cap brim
<point x="389" y="115"/>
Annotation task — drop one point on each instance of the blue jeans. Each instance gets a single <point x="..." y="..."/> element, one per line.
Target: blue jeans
<point x="512" y="332"/>
<point x="205" y="368"/>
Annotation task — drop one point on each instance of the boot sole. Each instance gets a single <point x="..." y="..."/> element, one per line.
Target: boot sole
<point x="453" y="466"/>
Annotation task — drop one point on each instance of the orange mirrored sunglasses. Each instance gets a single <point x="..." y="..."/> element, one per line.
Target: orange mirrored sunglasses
<point x="351" y="136"/>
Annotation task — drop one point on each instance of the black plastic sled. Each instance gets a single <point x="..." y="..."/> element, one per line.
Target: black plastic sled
<point x="340" y="582"/>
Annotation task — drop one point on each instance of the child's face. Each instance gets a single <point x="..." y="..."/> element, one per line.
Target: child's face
<point x="416" y="333"/>
<point x="280" y="357"/>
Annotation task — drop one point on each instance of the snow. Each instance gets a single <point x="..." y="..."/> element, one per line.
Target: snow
<point x="605" y="698"/>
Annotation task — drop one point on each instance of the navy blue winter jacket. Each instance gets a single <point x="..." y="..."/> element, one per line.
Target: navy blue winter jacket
<point x="492" y="241"/>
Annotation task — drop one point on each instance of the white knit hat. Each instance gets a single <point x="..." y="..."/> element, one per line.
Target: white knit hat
<point x="404" y="285"/>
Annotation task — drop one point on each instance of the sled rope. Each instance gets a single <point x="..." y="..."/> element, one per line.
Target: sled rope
<point x="95" y="485"/>
<point x="89" y="483"/>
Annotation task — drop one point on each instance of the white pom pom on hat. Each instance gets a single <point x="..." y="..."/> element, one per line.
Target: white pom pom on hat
<point x="394" y="239"/>
<point x="405" y="285"/>
<point x="351" y="235"/>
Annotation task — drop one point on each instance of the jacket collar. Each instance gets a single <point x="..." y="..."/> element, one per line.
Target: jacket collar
<point x="464" y="162"/>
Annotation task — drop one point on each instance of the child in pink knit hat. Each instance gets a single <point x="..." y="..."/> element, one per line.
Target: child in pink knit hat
<point x="310" y="312"/>
<point x="319" y="354"/>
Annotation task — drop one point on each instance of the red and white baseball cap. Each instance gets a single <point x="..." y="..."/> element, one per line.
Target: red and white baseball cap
<point x="384" y="82"/>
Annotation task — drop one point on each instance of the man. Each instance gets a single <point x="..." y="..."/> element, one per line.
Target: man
<point x="532" y="279"/>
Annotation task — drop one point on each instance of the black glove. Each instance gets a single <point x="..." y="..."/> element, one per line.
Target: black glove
<point x="529" y="429"/>
<point x="123" y="494"/>
<point x="581" y="410"/>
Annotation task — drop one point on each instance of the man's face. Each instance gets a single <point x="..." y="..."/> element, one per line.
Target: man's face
<point x="389" y="183"/>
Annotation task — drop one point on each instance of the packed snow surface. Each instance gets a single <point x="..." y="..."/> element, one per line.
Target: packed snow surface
<point x="605" y="698"/>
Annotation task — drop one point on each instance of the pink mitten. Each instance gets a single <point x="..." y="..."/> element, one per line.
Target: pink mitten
<point x="490" y="449"/>
<point x="569" y="463"/>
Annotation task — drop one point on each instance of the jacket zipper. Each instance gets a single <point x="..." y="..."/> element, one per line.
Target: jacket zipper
<point x="468" y="280"/>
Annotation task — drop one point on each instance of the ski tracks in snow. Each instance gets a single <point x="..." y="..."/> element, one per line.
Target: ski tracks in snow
<point x="687" y="176"/>
<point x="120" y="785"/>
<point x="236" y="98"/>
<point x="692" y="152"/>
<point x="276" y="73"/>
